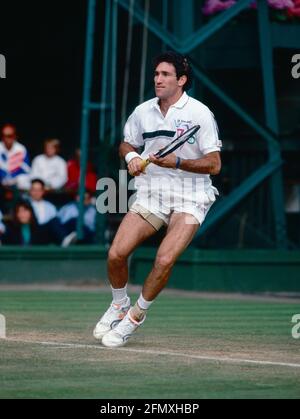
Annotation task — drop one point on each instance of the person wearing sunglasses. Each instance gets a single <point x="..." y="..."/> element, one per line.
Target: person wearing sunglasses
<point x="14" y="160"/>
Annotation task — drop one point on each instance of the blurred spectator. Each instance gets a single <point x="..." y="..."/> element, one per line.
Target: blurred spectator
<point x="24" y="229"/>
<point x="68" y="216"/>
<point x="74" y="175"/>
<point x="45" y="212"/>
<point x="49" y="167"/>
<point x="14" y="160"/>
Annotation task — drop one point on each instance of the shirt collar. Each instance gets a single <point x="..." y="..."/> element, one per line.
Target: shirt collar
<point x="15" y="144"/>
<point x="179" y="104"/>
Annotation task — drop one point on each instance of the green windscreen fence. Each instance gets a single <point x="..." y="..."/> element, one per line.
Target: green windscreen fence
<point x="196" y="270"/>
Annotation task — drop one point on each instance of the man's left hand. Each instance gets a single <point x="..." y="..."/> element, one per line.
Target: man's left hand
<point x="168" y="161"/>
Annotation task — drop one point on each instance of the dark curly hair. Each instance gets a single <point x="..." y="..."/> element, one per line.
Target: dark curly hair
<point x="9" y="125"/>
<point x="181" y="64"/>
<point x="24" y="203"/>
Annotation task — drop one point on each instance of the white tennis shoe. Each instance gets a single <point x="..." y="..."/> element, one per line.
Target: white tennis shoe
<point x="111" y="318"/>
<point x="122" y="332"/>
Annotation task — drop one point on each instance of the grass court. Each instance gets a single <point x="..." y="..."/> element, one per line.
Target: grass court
<point x="191" y="346"/>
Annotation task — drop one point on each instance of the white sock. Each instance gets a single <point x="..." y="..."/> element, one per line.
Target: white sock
<point x="119" y="295"/>
<point x="139" y="310"/>
<point x="144" y="304"/>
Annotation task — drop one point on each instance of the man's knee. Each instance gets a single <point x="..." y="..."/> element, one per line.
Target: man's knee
<point x="116" y="256"/>
<point x="164" y="261"/>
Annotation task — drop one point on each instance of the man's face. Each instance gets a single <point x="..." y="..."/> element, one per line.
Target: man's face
<point x="50" y="150"/>
<point x="37" y="191"/>
<point x="23" y="215"/>
<point x="166" y="83"/>
<point x="8" y="136"/>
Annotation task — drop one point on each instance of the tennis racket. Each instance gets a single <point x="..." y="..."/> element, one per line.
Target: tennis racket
<point x="178" y="142"/>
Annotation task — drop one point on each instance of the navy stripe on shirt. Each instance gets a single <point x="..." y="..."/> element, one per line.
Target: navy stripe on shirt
<point x="161" y="133"/>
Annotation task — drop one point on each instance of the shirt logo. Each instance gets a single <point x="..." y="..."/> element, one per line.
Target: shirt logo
<point x="182" y="126"/>
<point x="192" y="140"/>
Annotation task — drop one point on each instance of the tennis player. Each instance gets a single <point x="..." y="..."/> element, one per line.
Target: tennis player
<point x="174" y="191"/>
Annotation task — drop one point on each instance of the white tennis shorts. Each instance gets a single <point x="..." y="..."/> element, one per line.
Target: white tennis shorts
<point x="157" y="208"/>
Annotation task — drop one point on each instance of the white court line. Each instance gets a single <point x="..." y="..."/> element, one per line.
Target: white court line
<point x="166" y="353"/>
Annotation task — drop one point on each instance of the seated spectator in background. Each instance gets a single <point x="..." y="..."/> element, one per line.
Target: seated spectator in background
<point x="68" y="216"/>
<point x="49" y="167"/>
<point x="14" y="160"/>
<point x="74" y="175"/>
<point x="45" y="212"/>
<point x="24" y="229"/>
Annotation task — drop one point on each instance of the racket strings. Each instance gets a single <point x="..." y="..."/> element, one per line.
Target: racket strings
<point x="178" y="142"/>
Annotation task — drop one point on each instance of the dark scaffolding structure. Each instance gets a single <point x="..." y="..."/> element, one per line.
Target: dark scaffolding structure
<point x="252" y="194"/>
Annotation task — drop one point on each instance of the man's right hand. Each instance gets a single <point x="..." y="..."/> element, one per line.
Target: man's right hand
<point x="135" y="166"/>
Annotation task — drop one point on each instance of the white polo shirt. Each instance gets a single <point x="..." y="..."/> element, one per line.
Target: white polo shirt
<point x="44" y="211"/>
<point x="52" y="170"/>
<point x="147" y="127"/>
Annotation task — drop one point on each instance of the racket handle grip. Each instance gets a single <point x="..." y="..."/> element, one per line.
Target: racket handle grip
<point x="144" y="164"/>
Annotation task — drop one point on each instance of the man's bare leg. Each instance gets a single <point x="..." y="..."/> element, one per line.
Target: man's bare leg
<point x="181" y="230"/>
<point x="178" y="237"/>
<point x="132" y="232"/>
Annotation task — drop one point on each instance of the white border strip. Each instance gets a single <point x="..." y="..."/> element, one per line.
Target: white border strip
<point x="166" y="353"/>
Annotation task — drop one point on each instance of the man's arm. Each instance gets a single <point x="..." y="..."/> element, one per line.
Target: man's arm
<point x="126" y="148"/>
<point x="134" y="166"/>
<point x="209" y="164"/>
